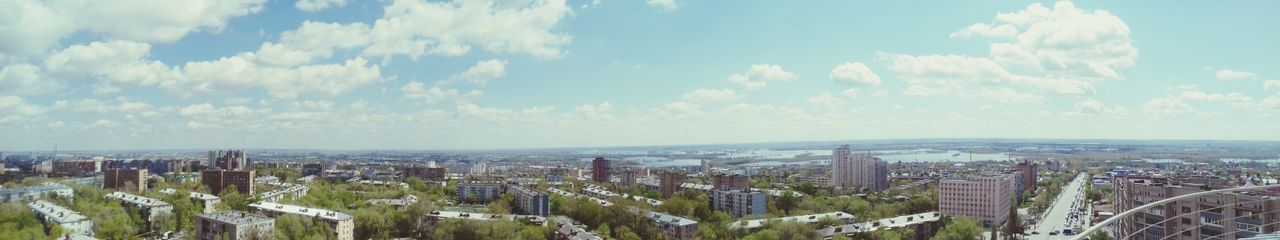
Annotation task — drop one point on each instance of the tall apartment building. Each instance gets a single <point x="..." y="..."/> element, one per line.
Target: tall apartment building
<point x="600" y="170"/>
<point x="234" y="225"/>
<point x="119" y="179"/>
<point x="705" y="166"/>
<point x="219" y="180"/>
<point x="343" y="224"/>
<point x="1029" y="174"/>
<point x="72" y="222"/>
<point x="738" y="202"/>
<point x="425" y="173"/>
<point x="859" y="171"/>
<point x="76" y="167"/>
<point x="1227" y="216"/>
<point x="670" y="183"/>
<point x="629" y="177"/>
<point x="479" y="192"/>
<point x="531" y="202"/>
<point x="147" y="207"/>
<point x="984" y="197"/>
<point x="229" y="160"/>
<point x="730" y="182"/>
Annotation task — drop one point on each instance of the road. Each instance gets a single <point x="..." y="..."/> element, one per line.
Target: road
<point x="1059" y="216"/>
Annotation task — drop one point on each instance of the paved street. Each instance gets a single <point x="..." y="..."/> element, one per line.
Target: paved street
<point x="1059" y="216"/>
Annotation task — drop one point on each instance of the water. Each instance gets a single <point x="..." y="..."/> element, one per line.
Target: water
<point x="673" y="163"/>
<point x="1162" y="160"/>
<point x="1243" y="160"/>
<point x="778" y="163"/>
<point x="776" y="154"/>
<point x="923" y="156"/>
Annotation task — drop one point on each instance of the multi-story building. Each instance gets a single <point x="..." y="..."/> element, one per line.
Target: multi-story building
<point x="985" y="197"/>
<point x="730" y="182"/>
<point x="673" y="226"/>
<point x="312" y="169"/>
<point x="1227" y="216"/>
<point x="531" y="202"/>
<point x="670" y="183"/>
<point x="219" y="180"/>
<point x="234" y="225"/>
<point x="858" y="171"/>
<point x="206" y="201"/>
<point x="343" y="224"/>
<point x="229" y="160"/>
<point x="72" y="222"/>
<point x="35" y="192"/>
<point x="1029" y="174"/>
<point x="76" y="167"/>
<point x="600" y="170"/>
<point x="425" y="173"/>
<point x="285" y="190"/>
<point x="479" y="192"/>
<point x="629" y="177"/>
<point x="738" y="202"/>
<point x="120" y="179"/>
<point x="705" y="166"/>
<point x="147" y="207"/>
<point x="567" y="228"/>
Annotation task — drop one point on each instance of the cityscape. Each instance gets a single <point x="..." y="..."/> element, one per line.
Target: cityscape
<point x="654" y="119"/>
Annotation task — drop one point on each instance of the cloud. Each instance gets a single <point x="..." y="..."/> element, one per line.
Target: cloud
<point x="1007" y="95"/>
<point x="482" y="72"/>
<point x="14" y="109"/>
<point x="317" y="5"/>
<point x="414" y="27"/>
<point x="1234" y="99"/>
<point x="25" y="79"/>
<point x="1271" y="85"/>
<point x="1095" y="107"/>
<point x="825" y="100"/>
<point x="418" y="91"/>
<point x="1003" y="31"/>
<point x="760" y="75"/>
<point x="854" y="74"/>
<point x="922" y="91"/>
<point x="703" y="95"/>
<point x="602" y="111"/>
<point x="662" y="4"/>
<point x="36" y="26"/>
<point x="1228" y="74"/>
<point x="1168" y="106"/>
<point x="1272" y="103"/>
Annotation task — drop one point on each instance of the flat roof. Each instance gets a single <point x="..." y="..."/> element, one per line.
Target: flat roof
<point x="300" y="210"/>
<point x="602" y="202"/>
<point x="811" y="218"/>
<point x="237" y="217"/>
<point x="482" y="216"/>
<point x="56" y="213"/>
<point x="664" y="218"/>
<point x="196" y="195"/>
<point x="137" y="200"/>
<point x="573" y="229"/>
<point x="875" y="225"/>
<point x="48" y="187"/>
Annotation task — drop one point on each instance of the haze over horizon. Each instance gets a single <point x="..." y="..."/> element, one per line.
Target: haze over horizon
<point x="410" y="74"/>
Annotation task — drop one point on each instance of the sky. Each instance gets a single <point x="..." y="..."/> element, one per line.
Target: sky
<point x="492" y="74"/>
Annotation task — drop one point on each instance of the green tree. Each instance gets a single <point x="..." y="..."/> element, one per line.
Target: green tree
<point x="960" y="228"/>
<point x="1013" y="226"/>
<point x="1100" y="235"/>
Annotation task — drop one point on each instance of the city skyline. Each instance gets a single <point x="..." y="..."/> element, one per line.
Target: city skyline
<point x="411" y="74"/>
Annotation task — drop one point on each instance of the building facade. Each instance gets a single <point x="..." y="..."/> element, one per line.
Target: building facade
<point x="629" y="177"/>
<point x="72" y="222"/>
<point x="35" y="192"/>
<point x="858" y="171"/>
<point x="229" y="160"/>
<point x="479" y="192"/>
<point x="219" y="180"/>
<point x="738" y="202"/>
<point x="730" y="182"/>
<point x="600" y="170"/>
<point x="670" y="183"/>
<point x="234" y="225"/>
<point x="531" y="202"/>
<point x="985" y="197"/>
<point x="1226" y="216"/>
<point x="343" y="224"/>
<point x="76" y="167"/>
<point x="148" y="208"/>
<point x="1029" y="174"/>
<point x="119" y="179"/>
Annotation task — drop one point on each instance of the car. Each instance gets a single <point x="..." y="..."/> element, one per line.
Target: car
<point x="1053" y="233"/>
<point x="1035" y="232"/>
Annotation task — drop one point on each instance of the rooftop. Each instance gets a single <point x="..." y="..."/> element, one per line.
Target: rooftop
<point x="196" y="195"/>
<point x="56" y="213"/>
<point x="664" y="218"/>
<point x="137" y="200"/>
<point x="300" y="210"/>
<point x="483" y="216"/>
<point x="573" y="230"/>
<point x="38" y="188"/>
<point x="237" y="217"/>
<point x="869" y="226"/>
<point x="811" y="218"/>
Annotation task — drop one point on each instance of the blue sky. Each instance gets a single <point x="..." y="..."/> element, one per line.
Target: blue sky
<point x="479" y="74"/>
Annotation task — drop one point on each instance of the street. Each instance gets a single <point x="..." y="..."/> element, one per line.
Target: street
<point x="1061" y="213"/>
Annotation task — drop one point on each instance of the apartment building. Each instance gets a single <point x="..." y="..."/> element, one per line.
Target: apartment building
<point x="531" y="202"/>
<point x="858" y="171"/>
<point x="35" y="192"/>
<point x="234" y="225"/>
<point x="1226" y="216"/>
<point x="985" y="197"/>
<point x="738" y="202"/>
<point x="480" y="192"/>
<point x="148" y="208"/>
<point x="600" y="170"/>
<point x="670" y="183"/>
<point x="72" y="222"/>
<point x="343" y="224"/>
<point x="119" y="179"/>
<point x="218" y="180"/>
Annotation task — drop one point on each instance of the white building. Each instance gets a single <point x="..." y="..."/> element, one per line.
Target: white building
<point x="342" y="223"/>
<point x="234" y="225"/>
<point x="72" y="222"/>
<point x="739" y="202"/>
<point x="861" y="171"/>
<point x="148" y="207"/>
<point x="35" y="192"/>
<point x="209" y="201"/>
<point x="673" y="226"/>
<point x="985" y="197"/>
<point x="807" y="219"/>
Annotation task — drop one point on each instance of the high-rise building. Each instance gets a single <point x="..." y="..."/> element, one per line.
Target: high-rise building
<point x="234" y="225"/>
<point x="119" y="179"/>
<point x="858" y="171"/>
<point x="76" y="167"/>
<point x="629" y="177"/>
<point x="531" y="202"/>
<point x="1229" y="215"/>
<point x="730" y="182"/>
<point x="1029" y="174"/>
<point x="738" y="202"/>
<point x="600" y="170"/>
<point x="670" y="183"/>
<point x="705" y="166"/>
<point x="985" y="197"/>
<point x="229" y="160"/>
<point x="218" y="180"/>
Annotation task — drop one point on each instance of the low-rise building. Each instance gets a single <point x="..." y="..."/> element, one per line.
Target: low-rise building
<point x="285" y="190"/>
<point x="567" y="228"/>
<point x="207" y="201"/>
<point x="480" y="192"/>
<point x="120" y="179"/>
<point x="486" y="216"/>
<point x="673" y="226"/>
<point x="148" y="208"/>
<point x="343" y="224"/>
<point x="924" y="225"/>
<point x="401" y="203"/>
<point x="808" y="219"/>
<point x="532" y="202"/>
<point x="36" y="192"/>
<point x="72" y="222"/>
<point x="234" y="225"/>
<point x="738" y="202"/>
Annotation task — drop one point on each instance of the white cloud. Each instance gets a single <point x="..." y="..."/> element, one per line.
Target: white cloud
<point x="922" y="91"/>
<point x="482" y="72"/>
<point x="409" y="27"/>
<point x="1271" y="103"/>
<point x="235" y="73"/>
<point x="602" y="111"/>
<point x="760" y="75"/>
<point x="1228" y="74"/>
<point x="30" y="27"/>
<point x="39" y="25"/>
<point x="983" y="30"/>
<point x="14" y="109"/>
<point x="1095" y="107"/>
<point x="825" y="100"/>
<point x="317" y="5"/>
<point x="1007" y="95"/>
<point x="1234" y="99"/>
<point x="663" y="4"/>
<point x="322" y="39"/>
<point x="419" y="91"/>
<point x="703" y="95"/>
<point x="1271" y="85"/>
<point x="25" y="79"/>
<point x="1168" y="106"/>
<point x="855" y="74"/>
